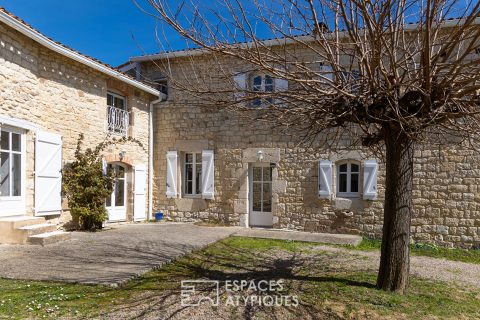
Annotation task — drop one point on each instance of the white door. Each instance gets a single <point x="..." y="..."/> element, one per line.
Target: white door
<point x="48" y="174"/>
<point x="116" y="203"/>
<point x="140" y="193"/>
<point x="260" y="195"/>
<point x="12" y="171"/>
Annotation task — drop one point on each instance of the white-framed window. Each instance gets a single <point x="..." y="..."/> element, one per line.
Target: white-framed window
<point x="192" y="174"/>
<point x="12" y="151"/>
<point x="262" y="83"/>
<point x="116" y="100"/>
<point x="348" y="179"/>
<point x="118" y="118"/>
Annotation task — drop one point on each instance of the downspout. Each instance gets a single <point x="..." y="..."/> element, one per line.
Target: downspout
<point x="150" y="155"/>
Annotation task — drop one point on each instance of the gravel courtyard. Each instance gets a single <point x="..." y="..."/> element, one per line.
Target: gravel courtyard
<point x="111" y="257"/>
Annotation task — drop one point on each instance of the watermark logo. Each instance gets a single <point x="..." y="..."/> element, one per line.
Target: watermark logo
<point x="194" y="292"/>
<point x="268" y="293"/>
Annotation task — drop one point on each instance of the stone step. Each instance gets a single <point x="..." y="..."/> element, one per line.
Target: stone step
<point x="35" y="229"/>
<point x="20" y="221"/>
<point x="49" y="237"/>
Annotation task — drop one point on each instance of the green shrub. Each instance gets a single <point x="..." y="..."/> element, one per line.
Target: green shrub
<point x="86" y="186"/>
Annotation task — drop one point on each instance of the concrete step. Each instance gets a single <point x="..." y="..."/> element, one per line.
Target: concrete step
<point x="20" y="221"/>
<point x="49" y="237"/>
<point x="35" y="229"/>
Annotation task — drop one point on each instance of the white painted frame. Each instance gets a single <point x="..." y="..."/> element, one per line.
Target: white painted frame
<point x="16" y="205"/>
<point x="266" y="217"/>
<point x="349" y="173"/>
<point x="194" y="175"/>
<point x="113" y="210"/>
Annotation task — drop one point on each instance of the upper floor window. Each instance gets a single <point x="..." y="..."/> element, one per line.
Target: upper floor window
<point x="117" y="114"/>
<point x="348" y="179"/>
<point x="193" y="174"/>
<point x="262" y="83"/>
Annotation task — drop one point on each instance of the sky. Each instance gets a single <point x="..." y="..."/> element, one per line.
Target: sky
<point x="109" y="30"/>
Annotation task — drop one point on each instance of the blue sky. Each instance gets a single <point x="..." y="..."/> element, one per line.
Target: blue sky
<point x="109" y="30"/>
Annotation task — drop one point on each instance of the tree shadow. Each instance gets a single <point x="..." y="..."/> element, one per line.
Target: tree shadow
<point x="159" y="292"/>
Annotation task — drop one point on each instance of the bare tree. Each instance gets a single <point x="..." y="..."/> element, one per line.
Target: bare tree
<point x="396" y="72"/>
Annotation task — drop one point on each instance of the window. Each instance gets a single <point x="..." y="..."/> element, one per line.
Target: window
<point x="192" y="174"/>
<point x="117" y="101"/>
<point x="262" y="83"/>
<point x="11" y="164"/>
<point x="162" y="85"/>
<point x="118" y="118"/>
<point x="348" y="179"/>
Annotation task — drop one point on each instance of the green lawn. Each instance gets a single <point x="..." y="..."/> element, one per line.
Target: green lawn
<point x="325" y="283"/>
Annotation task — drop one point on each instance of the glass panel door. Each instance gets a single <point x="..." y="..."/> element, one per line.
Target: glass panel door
<point x="116" y="203"/>
<point x="260" y="176"/>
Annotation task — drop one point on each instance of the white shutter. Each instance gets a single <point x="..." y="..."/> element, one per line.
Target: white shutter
<point x="325" y="179"/>
<point x="140" y="193"/>
<point x="240" y="80"/>
<point x="48" y="175"/>
<point x="280" y="85"/>
<point x="172" y="174"/>
<point x="326" y="72"/>
<point x="208" y="174"/>
<point x="370" y="179"/>
<point x="104" y="166"/>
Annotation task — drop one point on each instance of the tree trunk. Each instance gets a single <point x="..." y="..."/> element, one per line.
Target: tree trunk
<point x="395" y="255"/>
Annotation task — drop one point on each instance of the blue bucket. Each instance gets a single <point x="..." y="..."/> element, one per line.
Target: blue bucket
<point x="158" y="216"/>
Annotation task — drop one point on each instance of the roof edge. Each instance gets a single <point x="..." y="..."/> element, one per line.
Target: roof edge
<point x="52" y="45"/>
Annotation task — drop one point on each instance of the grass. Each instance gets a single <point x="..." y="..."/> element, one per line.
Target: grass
<point x="326" y="287"/>
<point x="429" y="250"/>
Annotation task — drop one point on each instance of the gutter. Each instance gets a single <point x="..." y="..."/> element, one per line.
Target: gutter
<point x="69" y="53"/>
<point x="150" y="155"/>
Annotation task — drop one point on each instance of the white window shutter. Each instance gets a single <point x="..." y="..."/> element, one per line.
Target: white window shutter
<point x="208" y="174"/>
<point x="48" y="173"/>
<point x="326" y="72"/>
<point x="240" y="80"/>
<point x="370" y="179"/>
<point x="140" y="193"/>
<point x="325" y="179"/>
<point x="172" y="159"/>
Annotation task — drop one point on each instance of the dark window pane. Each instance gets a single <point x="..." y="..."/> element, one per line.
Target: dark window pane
<point x="5" y="140"/>
<point x="343" y="167"/>
<point x="17" y="175"/>
<point x="355" y="167"/>
<point x="16" y="145"/>
<point x="268" y="84"/>
<point x="198" y="174"/>
<point x="198" y="158"/>
<point x="189" y="187"/>
<point x="257" y="197"/>
<point x="5" y="174"/>
<point x="342" y="183"/>
<point x="257" y="83"/>
<point x="108" y="201"/>
<point x="257" y="102"/>
<point x="120" y="193"/>
<point x="109" y="100"/>
<point x="121" y="172"/>
<point x="119" y="103"/>
<point x="267" y="197"/>
<point x="354" y="183"/>
<point x="267" y="174"/>
<point x="257" y="173"/>
<point x="189" y="172"/>
<point x="189" y="157"/>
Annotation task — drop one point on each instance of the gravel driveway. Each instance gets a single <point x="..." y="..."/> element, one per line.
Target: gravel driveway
<point x="109" y="257"/>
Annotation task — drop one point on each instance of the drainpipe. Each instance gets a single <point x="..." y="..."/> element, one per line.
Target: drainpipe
<point x="150" y="155"/>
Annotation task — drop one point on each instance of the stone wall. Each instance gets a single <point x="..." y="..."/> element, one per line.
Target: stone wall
<point x="446" y="196"/>
<point x="62" y="96"/>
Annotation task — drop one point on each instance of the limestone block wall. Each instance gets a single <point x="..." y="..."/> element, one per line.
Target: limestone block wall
<point x="446" y="199"/>
<point x="62" y="96"/>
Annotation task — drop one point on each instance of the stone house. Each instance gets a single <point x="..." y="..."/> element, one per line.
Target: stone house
<point x="50" y="94"/>
<point x="222" y="167"/>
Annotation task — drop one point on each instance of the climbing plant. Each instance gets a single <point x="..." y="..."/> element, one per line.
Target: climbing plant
<point x="87" y="183"/>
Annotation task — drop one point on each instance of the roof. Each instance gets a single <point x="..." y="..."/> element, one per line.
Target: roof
<point x="451" y="22"/>
<point x="27" y="30"/>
